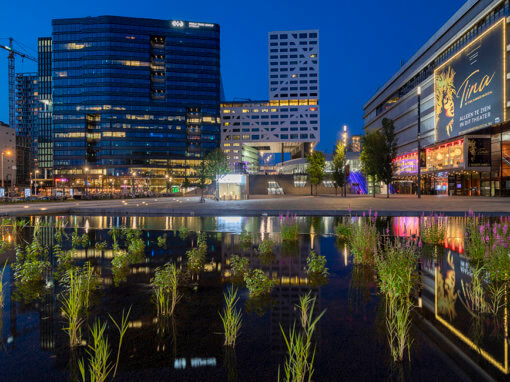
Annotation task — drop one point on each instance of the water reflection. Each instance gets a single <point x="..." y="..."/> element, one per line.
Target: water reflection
<point x="351" y="338"/>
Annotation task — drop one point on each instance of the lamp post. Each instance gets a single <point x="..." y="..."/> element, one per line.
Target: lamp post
<point x="8" y="153"/>
<point x="344" y="139"/>
<point x="86" y="169"/>
<point x="35" y="181"/>
<point x="133" y="184"/>
<point x="419" y="137"/>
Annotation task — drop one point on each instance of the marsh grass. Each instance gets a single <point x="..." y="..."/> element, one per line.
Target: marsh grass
<point x="289" y="227"/>
<point x="72" y="309"/>
<point x="78" y="283"/>
<point x="231" y="317"/>
<point x="165" y="288"/>
<point x="2" y="301"/>
<point x="298" y="366"/>
<point x="433" y="229"/>
<point x="266" y="247"/>
<point x="363" y="241"/>
<point x="99" y="365"/>
<point x="343" y="230"/>
<point x="122" y="329"/>
<point x="396" y="264"/>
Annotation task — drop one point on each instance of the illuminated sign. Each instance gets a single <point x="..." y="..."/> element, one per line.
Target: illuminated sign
<point x="200" y="25"/>
<point x="178" y="23"/>
<point x="232" y="179"/>
<point x="470" y="87"/>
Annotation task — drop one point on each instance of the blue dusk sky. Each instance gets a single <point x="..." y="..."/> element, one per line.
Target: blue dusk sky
<point x="362" y="43"/>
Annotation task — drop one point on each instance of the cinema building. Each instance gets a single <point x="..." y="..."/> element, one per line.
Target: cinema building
<point x="450" y="100"/>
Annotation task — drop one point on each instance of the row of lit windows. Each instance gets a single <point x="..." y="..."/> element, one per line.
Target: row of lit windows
<point x="285" y="36"/>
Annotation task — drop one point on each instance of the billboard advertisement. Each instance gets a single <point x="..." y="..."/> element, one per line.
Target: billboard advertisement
<point x="469" y="88"/>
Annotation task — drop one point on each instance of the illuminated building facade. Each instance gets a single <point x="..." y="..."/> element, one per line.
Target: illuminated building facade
<point x="465" y="135"/>
<point x="8" y="148"/>
<point x="43" y="141"/>
<point x="27" y="106"/>
<point x="135" y="101"/>
<point x="290" y="121"/>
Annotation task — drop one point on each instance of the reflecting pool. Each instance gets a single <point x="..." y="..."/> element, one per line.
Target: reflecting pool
<point x="454" y="334"/>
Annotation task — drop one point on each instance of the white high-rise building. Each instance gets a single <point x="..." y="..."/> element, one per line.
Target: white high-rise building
<point x="289" y="122"/>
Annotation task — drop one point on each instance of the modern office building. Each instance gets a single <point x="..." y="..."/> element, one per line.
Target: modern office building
<point x="455" y="87"/>
<point x="43" y="138"/>
<point x="289" y="122"/>
<point x="135" y="101"/>
<point x="27" y="106"/>
<point x="8" y="156"/>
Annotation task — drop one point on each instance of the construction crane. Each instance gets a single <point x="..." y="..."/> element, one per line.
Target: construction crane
<point x="12" y="78"/>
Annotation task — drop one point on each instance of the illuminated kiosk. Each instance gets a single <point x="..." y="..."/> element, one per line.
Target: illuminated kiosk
<point x="232" y="187"/>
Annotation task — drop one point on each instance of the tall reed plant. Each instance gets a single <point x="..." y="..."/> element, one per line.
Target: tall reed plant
<point x="363" y="240"/>
<point x="433" y="229"/>
<point x="299" y="365"/>
<point x="289" y="227"/>
<point x="231" y="317"/>
<point x="165" y="285"/>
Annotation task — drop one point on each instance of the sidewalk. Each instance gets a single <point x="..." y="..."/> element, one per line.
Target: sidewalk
<point x="326" y="205"/>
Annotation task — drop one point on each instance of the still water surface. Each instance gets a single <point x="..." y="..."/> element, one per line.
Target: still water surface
<point x="448" y="342"/>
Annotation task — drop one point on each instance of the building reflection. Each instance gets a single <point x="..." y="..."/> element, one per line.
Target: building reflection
<point x="472" y="334"/>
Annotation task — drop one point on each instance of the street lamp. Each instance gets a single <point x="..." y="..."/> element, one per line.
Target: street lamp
<point x="418" y="91"/>
<point x="86" y="169"/>
<point x="344" y="136"/>
<point x="8" y="153"/>
<point x="133" y="184"/>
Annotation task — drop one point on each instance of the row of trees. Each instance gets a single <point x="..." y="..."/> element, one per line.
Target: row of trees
<point x="379" y="148"/>
<point x="317" y="168"/>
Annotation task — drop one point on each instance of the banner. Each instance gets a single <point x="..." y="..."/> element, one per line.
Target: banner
<point x="469" y="88"/>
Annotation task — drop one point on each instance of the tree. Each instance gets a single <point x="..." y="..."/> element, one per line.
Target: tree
<point x="372" y="155"/>
<point x="203" y="177"/>
<point x="339" y="166"/>
<point x="389" y="153"/>
<point x="316" y="168"/>
<point x="216" y="166"/>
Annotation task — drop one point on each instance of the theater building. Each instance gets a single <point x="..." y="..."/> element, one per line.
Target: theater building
<point x="451" y="97"/>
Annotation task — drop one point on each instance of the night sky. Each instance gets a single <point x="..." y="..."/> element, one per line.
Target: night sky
<point x="362" y="43"/>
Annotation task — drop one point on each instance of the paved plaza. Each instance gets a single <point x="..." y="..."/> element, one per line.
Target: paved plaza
<point x="397" y="205"/>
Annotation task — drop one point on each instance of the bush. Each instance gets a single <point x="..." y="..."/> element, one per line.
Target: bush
<point x="164" y="284"/>
<point x="258" y="283"/>
<point x="162" y="241"/>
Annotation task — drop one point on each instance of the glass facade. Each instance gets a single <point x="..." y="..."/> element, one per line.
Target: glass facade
<point x="134" y="98"/>
<point x="44" y="134"/>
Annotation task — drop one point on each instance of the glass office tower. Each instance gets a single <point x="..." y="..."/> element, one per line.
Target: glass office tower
<point x="135" y="101"/>
<point x="43" y="138"/>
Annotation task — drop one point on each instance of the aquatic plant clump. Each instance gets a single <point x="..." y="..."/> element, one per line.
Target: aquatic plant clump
<point x="165" y="286"/>
<point x="396" y="270"/>
<point x="301" y="353"/>
<point x="239" y="265"/>
<point x="432" y="229"/>
<point x="184" y="232"/>
<point x="363" y="241"/>
<point x="245" y="239"/>
<point x="258" y="283"/>
<point x="343" y="231"/>
<point x="231" y="317"/>
<point x="289" y="227"/>
<point x="196" y="259"/>
<point x="266" y="247"/>
<point x="316" y="264"/>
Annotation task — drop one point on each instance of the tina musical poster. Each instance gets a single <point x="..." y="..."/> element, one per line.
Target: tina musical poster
<point x="469" y="87"/>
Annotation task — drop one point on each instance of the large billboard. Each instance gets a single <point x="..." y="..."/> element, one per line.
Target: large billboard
<point x="470" y="87"/>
